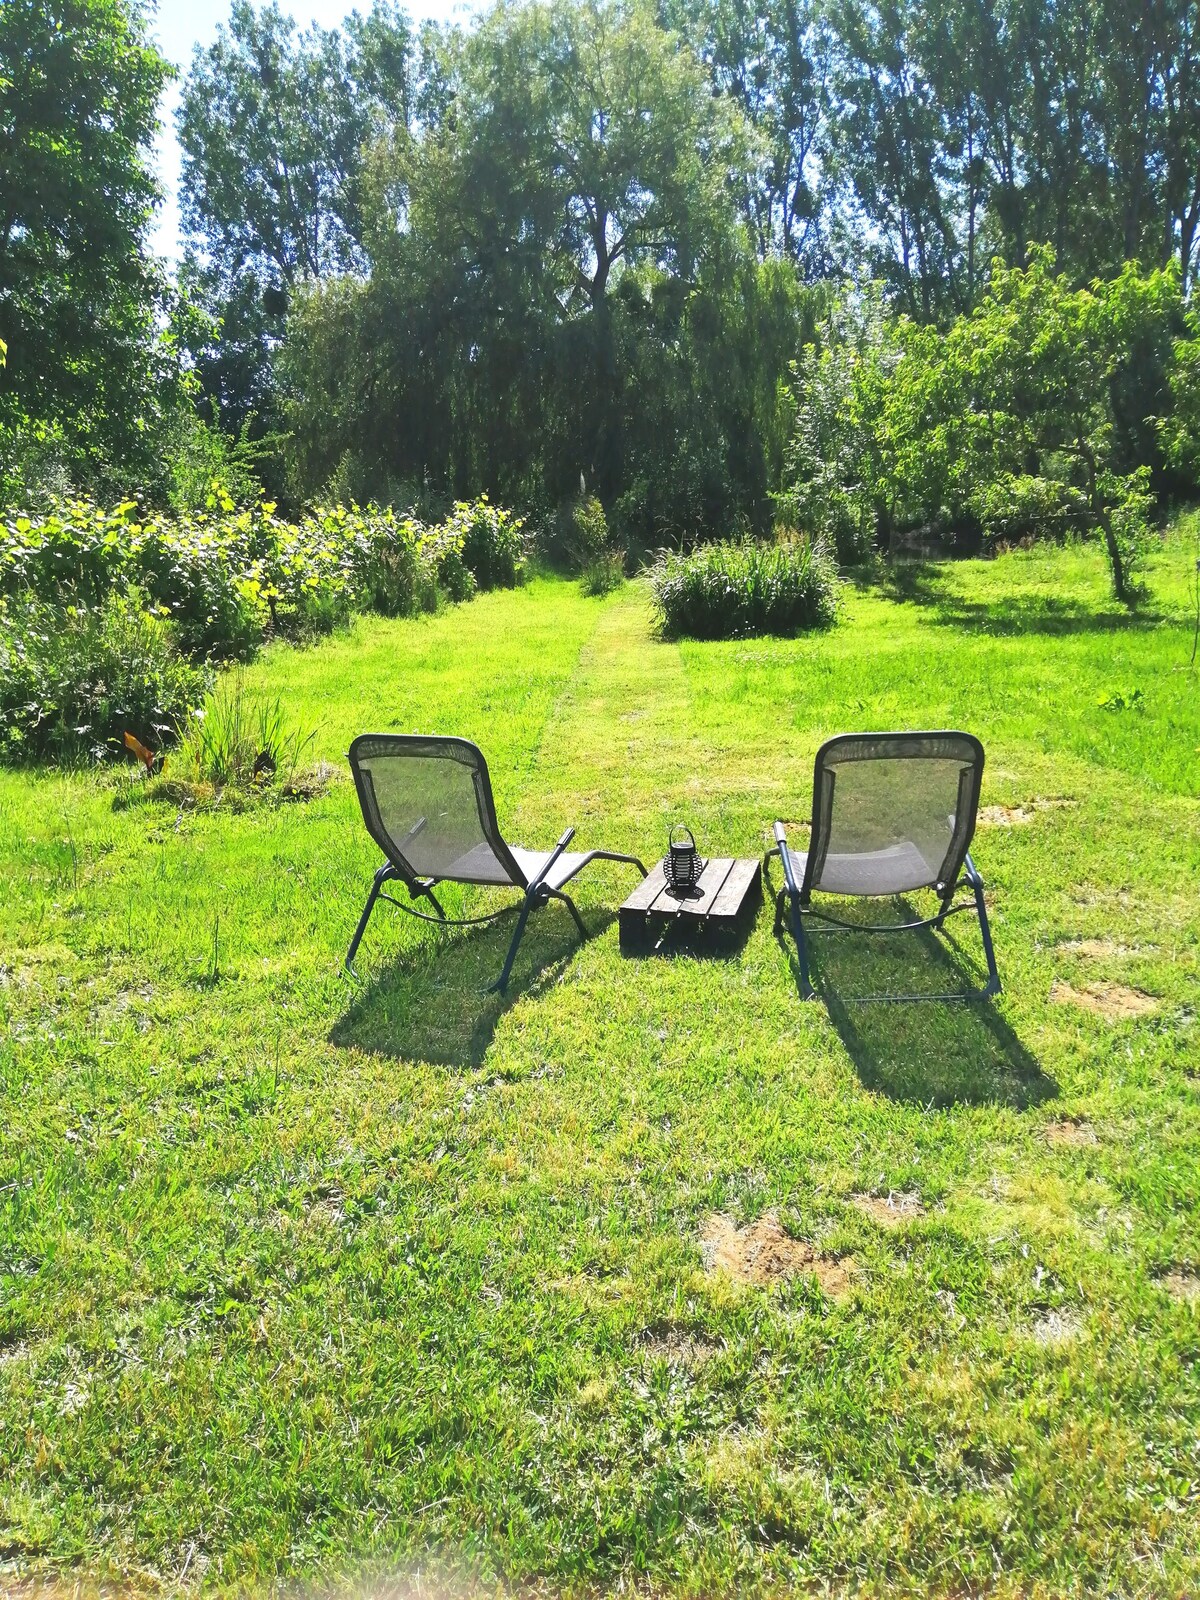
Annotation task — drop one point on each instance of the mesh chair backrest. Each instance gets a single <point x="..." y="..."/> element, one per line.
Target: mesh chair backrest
<point x="892" y="811"/>
<point x="427" y="803"/>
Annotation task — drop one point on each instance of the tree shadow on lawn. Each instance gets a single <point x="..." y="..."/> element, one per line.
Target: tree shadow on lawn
<point x="432" y="1002"/>
<point x="926" y="1051"/>
<point x="925" y="583"/>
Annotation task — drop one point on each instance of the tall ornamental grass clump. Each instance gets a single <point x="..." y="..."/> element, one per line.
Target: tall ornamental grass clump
<point x="74" y="681"/>
<point x="738" y="590"/>
<point x="239" y="739"/>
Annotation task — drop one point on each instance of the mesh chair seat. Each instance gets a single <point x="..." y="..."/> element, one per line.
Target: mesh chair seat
<point x="478" y="865"/>
<point x="533" y="862"/>
<point x="481" y="866"/>
<point x="893" y="870"/>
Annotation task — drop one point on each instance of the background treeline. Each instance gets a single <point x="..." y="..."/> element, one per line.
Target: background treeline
<point x="715" y="263"/>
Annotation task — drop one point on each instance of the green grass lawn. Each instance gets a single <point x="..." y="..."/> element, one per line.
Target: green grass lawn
<point x="304" y="1281"/>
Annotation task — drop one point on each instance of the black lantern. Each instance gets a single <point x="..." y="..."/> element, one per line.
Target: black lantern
<point x="683" y="864"/>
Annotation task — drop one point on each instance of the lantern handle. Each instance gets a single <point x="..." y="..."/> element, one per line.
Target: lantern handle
<point x="681" y="827"/>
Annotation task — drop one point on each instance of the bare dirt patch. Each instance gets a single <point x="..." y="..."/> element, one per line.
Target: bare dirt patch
<point x="678" y="1347"/>
<point x="1111" y="1000"/>
<point x="1017" y="816"/>
<point x="891" y="1210"/>
<point x="1069" y="1131"/>
<point x="1056" y="1328"/>
<point x="762" y="1253"/>
<point x="1182" y="1285"/>
<point x="1100" y="949"/>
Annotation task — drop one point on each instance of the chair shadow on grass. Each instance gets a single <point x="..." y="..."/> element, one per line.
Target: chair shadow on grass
<point x="925" y="1051"/>
<point x="431" y="1001"/>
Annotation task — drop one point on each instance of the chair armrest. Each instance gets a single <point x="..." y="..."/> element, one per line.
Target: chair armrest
<point x="785" y="857"/>
<point x="553" y="857"/>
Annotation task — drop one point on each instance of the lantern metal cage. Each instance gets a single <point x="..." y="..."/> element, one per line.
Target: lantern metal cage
<point x="683" y="863"/>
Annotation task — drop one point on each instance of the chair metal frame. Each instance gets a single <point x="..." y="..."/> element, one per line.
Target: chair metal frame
<point x="958" y="869"/>
<point x="535" y="890"/>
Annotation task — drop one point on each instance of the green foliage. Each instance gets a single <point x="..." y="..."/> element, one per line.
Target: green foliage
<point x="99" y="605"/>
<point x="82" y="297"/>
<point x="398" y="565"/>
<point x="738" y="591"/>
<point x="603" y="573"/>
<point x="587" y="530"/>
<point x="239" y="739"/>
<point x="261" y="100"/>
<point x="949" y="136"/>
<point x="1009" y="424"/>
<point x="226" y="577"/>
<point x="1121" y="700"/>
<point x="39" y="463"/>
<point x="502" y="341"/>
<point x="490" y="541"/>
<point x="834" y="481"/>
<point x="583" y="542"/>
<point x="208" y="466"/>
<point x="73" y="681"/>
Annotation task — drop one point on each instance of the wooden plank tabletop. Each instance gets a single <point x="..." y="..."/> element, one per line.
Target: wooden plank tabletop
<point x="732" y="894"/>
<point x="720" y="892"/>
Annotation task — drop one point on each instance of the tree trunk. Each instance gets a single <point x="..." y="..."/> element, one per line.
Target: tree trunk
<point x="1103" y="517"/>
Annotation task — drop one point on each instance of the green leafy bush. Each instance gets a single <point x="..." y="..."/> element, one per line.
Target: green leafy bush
<point x="74" y="681"/>
<point x="835" y="489"/>
<point x="491" y="542"/>
<point x="229" y="577"/>
<point x="738" y="590"/>
<point x="102" y="608"/>
<point x="576" y="535"/>
<point x="588" y="525"/>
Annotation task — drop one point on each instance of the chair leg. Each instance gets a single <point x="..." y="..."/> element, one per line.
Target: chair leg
<point x="807" y="992"/>
<point x="993" y="985"/>
<point x="501" y="983"/>
<point x="386" y="872"/>
<point x="795" y="923"/>
<point x="437" y="904"/>
<point x="572" y="908"/>
<point x="947" y="901"/>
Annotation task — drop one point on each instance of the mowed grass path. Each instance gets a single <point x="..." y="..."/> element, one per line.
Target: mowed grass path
<point x="301" y="1280"/>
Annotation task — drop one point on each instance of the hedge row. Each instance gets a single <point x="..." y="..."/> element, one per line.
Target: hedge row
<point x="228" y="578"/>
<point x="109" y="619"/>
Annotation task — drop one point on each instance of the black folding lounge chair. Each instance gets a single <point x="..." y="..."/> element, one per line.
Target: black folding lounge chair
<point x="427" y="803"/>
<point x="891" y="812"/>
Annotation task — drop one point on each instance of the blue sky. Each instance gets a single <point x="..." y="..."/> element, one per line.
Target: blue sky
<point x="180" y="25"/>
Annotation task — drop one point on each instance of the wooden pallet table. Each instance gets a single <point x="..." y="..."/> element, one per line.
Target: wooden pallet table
<point x="716" y="912"/>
